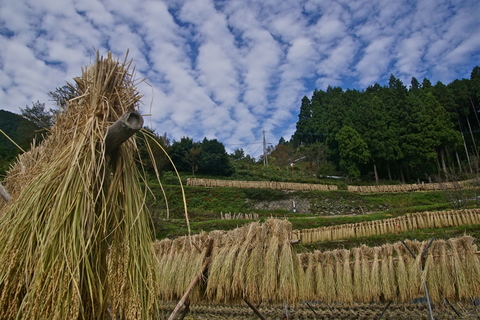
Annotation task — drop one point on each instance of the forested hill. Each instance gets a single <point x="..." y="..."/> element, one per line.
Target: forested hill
<point x="19" y="130"/>
<point x="398" y="132"/>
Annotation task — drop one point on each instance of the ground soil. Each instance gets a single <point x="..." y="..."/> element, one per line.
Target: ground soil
<point x="337" y="311"/>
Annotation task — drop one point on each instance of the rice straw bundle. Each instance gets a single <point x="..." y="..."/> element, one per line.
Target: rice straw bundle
<point x="223" y="280"/>
<point x="366" y="282"/>
<point x="468" y="263"/>
<point x="476" y="216"/>
<point x="458" y="272"/>
<point x="444" y="270"/>
<point x="270" y="275"/>
<point x="420" y="220"/>
<point x="357" y="274"/>
<point x="239" y="274"/>
<point x="320" y="282"/>
<point x="432" y="274"/>
<point x="253" y="271"/>
<point x="307" y="290"/>
<point x="388" y="273"/>
<point x="77" y="202"/>
<point x="168" y="271"/>
<point x="215" y="268"/>
<point x="347" y="277"/>
<point x="329" y="276"/>
<point x="375" y="275"/>
<point x="401" y="274"/>
<point x="288" y="273"/>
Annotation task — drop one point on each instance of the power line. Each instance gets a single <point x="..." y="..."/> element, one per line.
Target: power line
<point x="242" y="144"/>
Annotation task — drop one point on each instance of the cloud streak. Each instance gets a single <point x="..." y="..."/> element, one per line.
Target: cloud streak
<point x="233" y="68"/>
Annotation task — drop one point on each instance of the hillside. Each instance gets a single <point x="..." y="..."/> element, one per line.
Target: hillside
<point x="19" y="130"/>
<point x="304" y="209"/>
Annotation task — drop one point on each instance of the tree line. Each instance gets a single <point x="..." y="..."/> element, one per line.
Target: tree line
<point x="383" y="132"/>
<point x="394" y="132"/>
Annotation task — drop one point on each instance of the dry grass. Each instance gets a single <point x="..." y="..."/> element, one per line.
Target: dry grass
<point x="71" y="206"/>
<point x="258" y="263"/>
<point x="420" y="220"/>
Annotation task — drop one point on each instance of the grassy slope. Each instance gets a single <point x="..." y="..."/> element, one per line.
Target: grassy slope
<point x="205" y="205"/>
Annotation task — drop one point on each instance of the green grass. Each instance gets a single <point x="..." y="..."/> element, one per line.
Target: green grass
<point x="205" y="205"/>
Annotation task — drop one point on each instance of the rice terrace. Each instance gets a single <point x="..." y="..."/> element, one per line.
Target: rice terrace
<point x="86" y="234"/>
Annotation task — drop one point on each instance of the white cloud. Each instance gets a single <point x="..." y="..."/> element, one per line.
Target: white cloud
<point x="375" y="61"/>
<point x="232" y="68"/>
<point x="410" y="53"/>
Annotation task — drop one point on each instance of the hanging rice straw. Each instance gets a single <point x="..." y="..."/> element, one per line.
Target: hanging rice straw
<point x="375" y="275"/>
<point x="401" y="274"/>
<point x="388" y="273"/>
<point x="76" y="205"/>
<point x="357" y="274"/>
<point x="366" y="281"/>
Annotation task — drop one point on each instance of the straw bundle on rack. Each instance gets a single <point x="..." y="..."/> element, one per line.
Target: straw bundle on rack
<point x="77" y="202"/>
<point x="256" y="262"/>
<point x="451" y="269"/>
<point x="412" y="221"/>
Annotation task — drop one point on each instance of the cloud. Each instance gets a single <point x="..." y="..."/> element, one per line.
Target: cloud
<point x="410" y="52"/>
<point x="230" y="69"/>
<point x="375" y="61"/>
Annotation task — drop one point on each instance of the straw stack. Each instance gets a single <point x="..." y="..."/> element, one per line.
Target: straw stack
<point x="256" y="262"/>
<point x="451" y="270"/>
<point x="419" y="220"/>
<point x="72" y="204"/>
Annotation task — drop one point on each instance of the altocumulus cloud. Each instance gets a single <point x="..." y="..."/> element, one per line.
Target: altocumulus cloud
<point x="230" y="69"/>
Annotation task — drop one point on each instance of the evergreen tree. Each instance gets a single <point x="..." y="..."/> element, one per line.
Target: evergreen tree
<point x="305" y="127"/>
<point x="414" y="84"/>
<point x="353" y="151"/>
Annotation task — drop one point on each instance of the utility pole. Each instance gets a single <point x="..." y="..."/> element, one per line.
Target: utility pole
<point x="265" y="159"/>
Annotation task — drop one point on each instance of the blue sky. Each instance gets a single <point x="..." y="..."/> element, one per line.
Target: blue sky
<point x="230" y="69"/>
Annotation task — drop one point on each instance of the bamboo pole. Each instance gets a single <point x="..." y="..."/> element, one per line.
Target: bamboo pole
<point x="122" y="129"/>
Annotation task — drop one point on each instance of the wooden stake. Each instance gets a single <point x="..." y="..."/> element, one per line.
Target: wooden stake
<point x="257" y="312"/>
<point x="185" y="310"/>
<point x="195" y="280"/>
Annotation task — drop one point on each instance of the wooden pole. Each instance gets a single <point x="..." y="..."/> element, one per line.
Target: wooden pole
<point x="185" y="310"/>
<point x="257" y="312"/>
<point x="195" y="280"/>
<point x="122" y="129"/>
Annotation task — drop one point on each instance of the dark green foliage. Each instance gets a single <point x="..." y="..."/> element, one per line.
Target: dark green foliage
<point x="213" y="158"/>
<point x="207" y="157"/>
<point x="20" y="130"/>
<point x="397" y="133"/>
<point x="184" y="155"/>
<point x="353" y="150"/>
